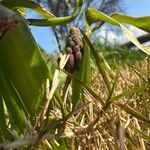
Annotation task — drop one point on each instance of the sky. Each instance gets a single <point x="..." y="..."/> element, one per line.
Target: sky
<point x="45" y="38"/>
<point x="138" y="7"/>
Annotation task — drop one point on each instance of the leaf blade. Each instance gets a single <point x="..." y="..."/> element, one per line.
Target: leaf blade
<point x="22" y="61"/>
<point x="93" y="15"/>
<point x="139" y="22"/>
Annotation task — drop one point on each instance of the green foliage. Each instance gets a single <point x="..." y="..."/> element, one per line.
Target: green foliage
<point x="93" y="16"/>
<point x="138" y="22"/>
<point x="37" y="109"/>
<point x="17" y="4"/>
<point x="117" y="56"/>
<point x="22" y="62"/>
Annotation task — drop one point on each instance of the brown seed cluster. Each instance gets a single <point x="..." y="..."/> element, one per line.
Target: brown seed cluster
<point x="74" y="47"/>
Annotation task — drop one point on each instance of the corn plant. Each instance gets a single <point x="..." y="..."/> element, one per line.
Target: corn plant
<point x="87" y="108"/>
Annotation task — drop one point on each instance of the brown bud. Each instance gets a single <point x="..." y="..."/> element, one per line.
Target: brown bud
<point x="76" y="48"/>
<point x="74" y="31"/>
<point x="70" y="39"/>
<point x="70" y="63"/>
<point x="69" y="50"/>
<point x="78" y="57"/>
<point x="72" y="43"/>
<point x="77" y="40"/>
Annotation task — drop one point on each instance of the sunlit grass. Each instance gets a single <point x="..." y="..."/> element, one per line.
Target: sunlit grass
<point x="123" y="125"/>
<point x="89" y="97"/>
<point x="116" y="128"/>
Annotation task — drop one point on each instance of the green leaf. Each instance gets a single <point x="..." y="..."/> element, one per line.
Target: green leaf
<point x="13" y="4"/>
<point x="4" y="134"/>
<point x="10" y="97"/>
<point x="84" y="73"/>
<point x="21" y="59"/>
<point x="58" y="20"/>
<point x="134" y="40"/>
<point x="99" y="62"/>
<point x="142" y="134"/>
<point x="93" y="15"/>
<point x="61" y="144"/>
<point x="50" y="20"/>
<point x="130" y="92"/>
<point x="86" y="65"/>
<point x="76" y="90"/>
<point x="139" y="22"/>
<point x="134" y="113"/>
<point x="86" y="87"/>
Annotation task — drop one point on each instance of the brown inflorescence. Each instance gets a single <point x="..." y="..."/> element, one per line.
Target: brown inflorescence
<point x="74" y="47"/>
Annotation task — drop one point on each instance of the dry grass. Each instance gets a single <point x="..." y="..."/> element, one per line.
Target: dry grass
<point x="123" y="124"/>
<point x="92" y="128"/>
<point x="118" y="129"/>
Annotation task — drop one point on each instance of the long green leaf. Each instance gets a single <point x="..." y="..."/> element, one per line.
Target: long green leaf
<point x="50" y="19"/>
<point x="76" y="89"/>
<point x="142" y="134"/>
<point x="84" y="73"/>
<point x="21" y="59"/>
<point x="10" y="98"/>
<point x="93" y="15"/>
<point x="27" y="4"/>
<point x="140" y="22"/>
<point x="130" y="92"/>
<point x="99" y="62"/>
<point x="4" y="134"/>
<point x="62" y="144"/>
<point x="58" y="20"/>
<point x="134" y="113"/>
<point x="86" y="87"/>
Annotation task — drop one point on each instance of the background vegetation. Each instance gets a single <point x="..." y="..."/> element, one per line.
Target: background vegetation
<point x="89" y="96"/>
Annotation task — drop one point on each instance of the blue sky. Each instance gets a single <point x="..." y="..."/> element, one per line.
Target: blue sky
<point x="138" y="7"/>
<point x="45" y="38"/>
